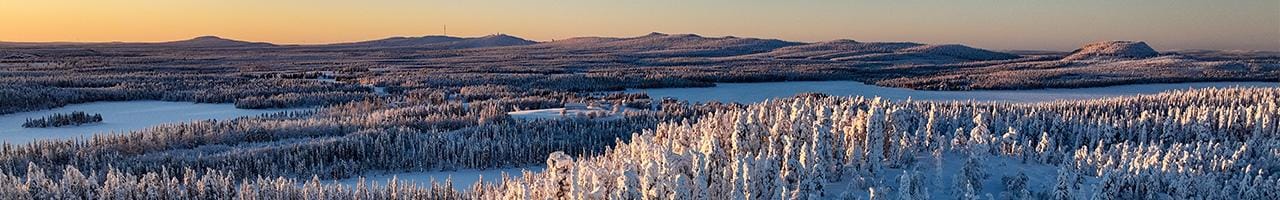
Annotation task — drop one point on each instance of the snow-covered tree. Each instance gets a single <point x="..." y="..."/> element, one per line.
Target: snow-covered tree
<point x="970" y="177"/>
<point x="1064" y="187"/>
<point x="560" y="170"/>
<point x="911" y="187"/>
<point x="1015" y="187"/>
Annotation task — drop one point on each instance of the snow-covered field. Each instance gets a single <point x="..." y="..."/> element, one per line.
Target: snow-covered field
<point x="380" y="91"/>
<point x="757" y="92"/>
<point x="554" y="113"/>
<point x="462" y="179"/>
<point x="121" y="116"/>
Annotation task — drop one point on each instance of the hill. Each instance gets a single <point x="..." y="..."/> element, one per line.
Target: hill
<point x="670" y="45"/>
<point x="1102" y="64"/>
<point x="210" y="42"/>
<point x="436" y="42"/>
<point x="1113" y="50"/>
<point x="403" y="41"/>
<point x="890" y="52"/>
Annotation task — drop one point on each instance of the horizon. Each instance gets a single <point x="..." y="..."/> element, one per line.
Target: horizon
<point x="543" y="41"/>
<point x="1058" y="26"/>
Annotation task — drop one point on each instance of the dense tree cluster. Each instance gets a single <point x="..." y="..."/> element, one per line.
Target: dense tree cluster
<point x="59" y="120"/>
<point x="1211" y="144"/>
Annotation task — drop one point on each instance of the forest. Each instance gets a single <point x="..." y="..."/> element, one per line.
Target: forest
<point x="403" y="105"/>
<point x="58" y="120"/>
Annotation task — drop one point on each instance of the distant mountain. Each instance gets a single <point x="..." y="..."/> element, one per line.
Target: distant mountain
<point x="404" y="41"/>
<point x="198" y="42"/>
<point x="659" y="44"/>
<point x="1113" y="50"/>
<point x="960" y="51"/>
<point x="425" y="42"/>
<point x="837" y="48"/>
<point x="499" y="40"/>
<point x="205" y="42"/>
<point x="438" y="42"/>
<point x="1103" y="63"/>
<point x="906" y="52"/>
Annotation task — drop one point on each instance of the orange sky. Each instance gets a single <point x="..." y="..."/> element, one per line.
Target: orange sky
<point x="1056" y="25"/>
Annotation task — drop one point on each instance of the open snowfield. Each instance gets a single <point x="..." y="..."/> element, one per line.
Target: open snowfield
<point x="462" y="179"/>
<point x="757" y="92"/>
<point x="549" y="113"/>
<point x="380" y="91"/>
<point x="117" y="117"/>
<point x="554" y="113"/>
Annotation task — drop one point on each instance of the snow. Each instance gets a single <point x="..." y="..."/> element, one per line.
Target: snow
<point x="757" y="92"/>
<point x="554" y="113"/>
<point x="328" y="79"/>
<point x="380" y="91"/>
<point x="941" y="183"/>
<point x="462" y="179"/>
<point x="120" y="116"/>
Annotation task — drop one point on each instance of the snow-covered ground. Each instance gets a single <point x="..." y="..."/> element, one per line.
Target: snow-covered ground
<point x="380" y="91"/>
<point x="757" y="92"/>
<point x="120" y="116"/>
<point x="554" y="113"/>
<point x="462" y="179"/>
<point x="328" y="79"/>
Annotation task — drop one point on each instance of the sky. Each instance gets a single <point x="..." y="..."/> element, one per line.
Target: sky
<point x="991" y="24"/>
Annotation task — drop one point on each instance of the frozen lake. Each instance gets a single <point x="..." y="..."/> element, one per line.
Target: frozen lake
<point x="462" y="179"/>
<point x="119" y="116"/>
<point x="757" y="92"/>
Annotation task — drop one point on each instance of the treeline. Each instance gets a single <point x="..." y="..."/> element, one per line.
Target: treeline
<point x="59" y="120"/>
<point x="41" y="90"/>
<point x="291" y="100"/>
<point x="604" y="80"/>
